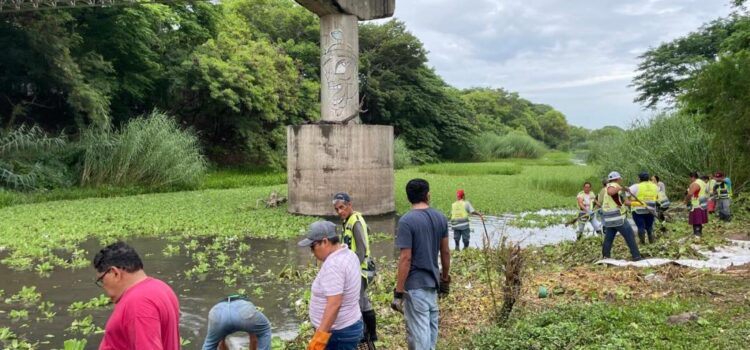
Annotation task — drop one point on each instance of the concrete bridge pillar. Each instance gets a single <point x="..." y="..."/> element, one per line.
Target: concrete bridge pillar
<point x="339" y="155"/>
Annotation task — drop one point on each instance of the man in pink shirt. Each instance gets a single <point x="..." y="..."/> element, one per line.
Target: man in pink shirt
<point x="146" y="314"/>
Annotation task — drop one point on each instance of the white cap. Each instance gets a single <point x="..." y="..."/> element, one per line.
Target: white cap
<point x="613" y="176"/>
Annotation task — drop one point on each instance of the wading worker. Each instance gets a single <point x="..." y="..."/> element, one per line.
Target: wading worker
<point x="422" y="235"/>
<point x="460" y="211"/>
<point x="643" y="212"/>
<point x="334" y="301"/>
<point x="697" y="200"/>
<point x="236" y="313"/>
<point x="355" y="236"/>
<point x="722" y="190"/>
<point x="586" y="202"/>
<point x="146" y="314"/>
<point x="614" y="216"/>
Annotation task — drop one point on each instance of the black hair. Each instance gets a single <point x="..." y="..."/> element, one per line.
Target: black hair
<point x="586" y="183"/>
<point x="657" y="178"/>
<point x="416" y="190"/>
<point x="605" y="181"/>
<point x="643" y="176"/>
<point x="118" y="255"/>
<point x="704" y="177"/>
<point x="694" y="174"/>
<point x="334" y="240"/>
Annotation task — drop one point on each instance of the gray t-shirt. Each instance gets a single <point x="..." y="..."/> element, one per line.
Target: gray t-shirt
<point x="422" y="230"/>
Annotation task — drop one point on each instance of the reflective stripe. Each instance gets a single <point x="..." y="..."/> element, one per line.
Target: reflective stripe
<point x="348" y="238"/>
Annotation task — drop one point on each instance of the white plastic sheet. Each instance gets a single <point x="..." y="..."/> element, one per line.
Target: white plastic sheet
<point x="735" y="254"/>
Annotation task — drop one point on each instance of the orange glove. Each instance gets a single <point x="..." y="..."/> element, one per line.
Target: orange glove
<point x="319" y="341"/>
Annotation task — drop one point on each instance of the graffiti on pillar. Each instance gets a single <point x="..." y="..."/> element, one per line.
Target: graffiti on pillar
<point x="339" y="67"/>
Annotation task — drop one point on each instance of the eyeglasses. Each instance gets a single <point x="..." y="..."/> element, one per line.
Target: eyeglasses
<point x="100" y="281"/>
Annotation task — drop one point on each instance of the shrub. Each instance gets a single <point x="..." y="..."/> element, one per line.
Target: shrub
<point x="29" y="159"/>
<point x="148" y="151"/>
<point x="491" y="146"/>
<point x="670" y="146"/>
<point x="402" y="155"/>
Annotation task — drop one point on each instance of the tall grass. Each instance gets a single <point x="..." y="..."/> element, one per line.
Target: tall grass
<point x="670" y="146"/>
<point x="148" y="151"/>
<point x="491" y="146"/>
<point x="402" y="155"/>
<point x="30" y="159"/>
<point x="464" y="169"/>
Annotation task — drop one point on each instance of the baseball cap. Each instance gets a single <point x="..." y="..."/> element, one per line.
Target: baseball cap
<point x="613" y="176"/>
<point x="341" y="196"/>
<point x="318" y="231"/>
<point x="643" y="176"/>
<point x="460" y="194"/>
<point x="719" y="174"/>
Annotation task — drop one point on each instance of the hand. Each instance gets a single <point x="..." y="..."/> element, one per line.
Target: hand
<point x="319" y="341"/>
<point x="397" y="304"/>
<point x="445" y="286"/>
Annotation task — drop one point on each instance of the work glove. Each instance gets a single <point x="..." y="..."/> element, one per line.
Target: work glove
<point x="444" y="287"/>
<point x="319" y="341"/>
<point x="397" y="304"/>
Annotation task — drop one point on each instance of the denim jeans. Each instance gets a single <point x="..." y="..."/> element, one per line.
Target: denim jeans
<point x="237" y="316"/>
<point x="346" y="338"/>
<point x="645" y="224"/>
<point x="627" y="233"/>
<point x="421" y="314"/>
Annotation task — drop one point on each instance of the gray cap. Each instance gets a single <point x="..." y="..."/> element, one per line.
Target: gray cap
<point x="341" y="196"/>
<point x="318" y="231"/>
<point x="614" y="176"/>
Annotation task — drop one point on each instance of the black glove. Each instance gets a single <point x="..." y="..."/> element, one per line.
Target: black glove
<point x="445" y="286"/>
<point x="397" y="304"/>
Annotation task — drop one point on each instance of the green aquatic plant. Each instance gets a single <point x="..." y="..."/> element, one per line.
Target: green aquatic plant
<point x="26" y="296"/>
<point x="84" y="326"/>
<point x="17" y="315"/>
<point x="75" y="344"/>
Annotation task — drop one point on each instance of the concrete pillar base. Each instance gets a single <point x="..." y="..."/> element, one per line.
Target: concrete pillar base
<point x="325" y="159"/>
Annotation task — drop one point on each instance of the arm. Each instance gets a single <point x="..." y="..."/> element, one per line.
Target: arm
<point x="359" y="238"/>
<point x="253" y="342"/>
<point x="693" y="191"/>
<point x="445" y="259"/>
<point x="404" y="263"/>
<point x="580" y="204"/>
<point x="333" y="304"/>
<point x="144" y="332"/>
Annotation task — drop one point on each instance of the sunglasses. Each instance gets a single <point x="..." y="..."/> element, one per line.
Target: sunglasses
<point x="100" y="281"/>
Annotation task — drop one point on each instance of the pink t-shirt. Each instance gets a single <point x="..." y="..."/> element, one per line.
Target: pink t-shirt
<point x="147" y="316"/>
<point x="339" y="274"/>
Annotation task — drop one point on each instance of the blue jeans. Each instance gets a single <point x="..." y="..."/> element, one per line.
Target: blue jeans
<point x="346" y="338"/>
<point x="226" y="318"/>
<point x="459" y="235"/>
<point x="421" y="314"/>
<point x="627" y="232"/>
<point x="645" y="223"/>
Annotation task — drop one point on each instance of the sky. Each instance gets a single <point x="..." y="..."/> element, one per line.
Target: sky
<point x="577" y="56"/>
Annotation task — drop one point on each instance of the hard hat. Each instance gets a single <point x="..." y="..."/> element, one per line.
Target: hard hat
<point x="613" y="176"/>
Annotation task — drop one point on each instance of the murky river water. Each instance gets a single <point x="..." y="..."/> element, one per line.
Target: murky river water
<point x="270" y="257"/>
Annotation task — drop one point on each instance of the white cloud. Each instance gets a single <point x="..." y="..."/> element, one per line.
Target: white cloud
<point x="577" y="55"/>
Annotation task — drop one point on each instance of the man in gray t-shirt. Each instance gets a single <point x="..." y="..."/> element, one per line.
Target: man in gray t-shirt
<point x="422" y="235"/>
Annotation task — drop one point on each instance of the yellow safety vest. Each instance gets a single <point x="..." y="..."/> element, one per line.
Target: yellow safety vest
<point x="458" y="212"/>
<point x="613" y="215"/>
<point x="348" y="237"/>
<point x="723" y="190"/>
<point x="648" y="192"/>
<point x="702" y="200"/>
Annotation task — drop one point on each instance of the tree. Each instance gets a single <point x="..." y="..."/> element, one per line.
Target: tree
<point x="555" y="128"/>
<point x="399" y="89"/>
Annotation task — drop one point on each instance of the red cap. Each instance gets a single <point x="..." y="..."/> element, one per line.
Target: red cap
<point x="718" y="174"/>
<point x="460" y="194"/>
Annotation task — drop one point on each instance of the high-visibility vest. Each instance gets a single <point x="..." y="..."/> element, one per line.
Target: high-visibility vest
<point x="702" y="200"/>
<point x="711" y="184"/>
<point x="348" y="237"/>
<point x="613" y="215"/>
<point x="459" y="212"/>
<point x="648" y="192"/>
<point x="723" y="190"/>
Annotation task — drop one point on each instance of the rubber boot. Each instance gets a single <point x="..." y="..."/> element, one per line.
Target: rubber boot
<point x="697" y="230"/>
<point x="371" y="326"/>
<point x="642" y="238"/>
<point x="458" y="244"/>
<point x="466" y="244"/>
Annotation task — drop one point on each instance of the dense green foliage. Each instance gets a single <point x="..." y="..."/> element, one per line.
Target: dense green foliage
<point x="29" y="159"/>
<point x="705" y="73"/>
<point x="670" y="146"/>
<point x="402" y="155"/>
<point x="238" y="72"/>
